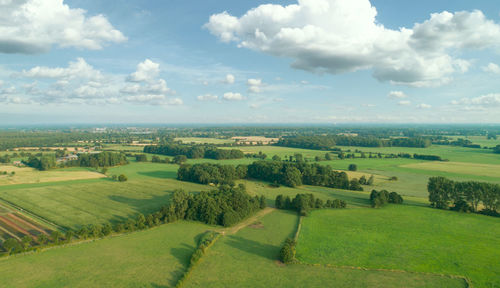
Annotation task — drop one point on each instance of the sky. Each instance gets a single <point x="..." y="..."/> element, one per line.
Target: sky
<point x="221" y="61"/>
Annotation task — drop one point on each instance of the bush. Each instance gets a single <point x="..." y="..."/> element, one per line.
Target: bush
<point x="287" y="252"/>
<point x="353" y="167"/>
<point x="122" y="178"/>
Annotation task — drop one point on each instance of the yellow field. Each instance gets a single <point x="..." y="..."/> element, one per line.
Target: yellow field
<point x="201" y="140"/>
<point x="30" y="175"/>
<point x="459" y="168"/>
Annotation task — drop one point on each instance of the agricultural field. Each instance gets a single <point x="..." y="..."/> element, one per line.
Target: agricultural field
<point x="14" y="224"/>
<point x="201" y="140"/>
<point x="248" y="259"/>
<point x="403" y="237"/>
<point x="26" y="175"/>
<point x="153" y="258"/>
<point x="72" y="204"/>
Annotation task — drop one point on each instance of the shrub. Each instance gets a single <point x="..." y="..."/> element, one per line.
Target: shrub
<point x="353" y="167"/>
<point x="122" y="178"/>
<point x="287" y="252"/>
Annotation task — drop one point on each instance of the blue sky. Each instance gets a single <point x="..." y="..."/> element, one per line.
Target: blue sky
<point x="311" y="61"/>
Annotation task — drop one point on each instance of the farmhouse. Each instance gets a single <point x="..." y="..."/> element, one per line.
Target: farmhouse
<point x="67" y="158"/>
<point x="18" y="163"/>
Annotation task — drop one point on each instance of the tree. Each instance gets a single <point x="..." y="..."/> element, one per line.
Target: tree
<point x="440" y="190"/>
<point x="56" y="236"/>
<point x="26" y="241"/>
<point x="370" y="181"/>
<point x="141" y="158"/>
<point x="287" y="252"/>
<point x="497" y="149"/>
<point x="262" y="202"/>
<point x="299" y="158"/>
<point x="292" y="177"/>
<point x="69" y="235"/>
<point x="352" y="167"/>
<point x="122" y="178"/>
<point x="328" y="156"/>
<point x="179" y="159"/>
<point x="276" y="158"/>
<point x="11" y="245"/>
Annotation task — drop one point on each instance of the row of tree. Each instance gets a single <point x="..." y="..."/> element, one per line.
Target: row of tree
<point x="277" y="172"/>
<point x="194" y="151"/>
<point x="303" y="203"/>
<point x="464" y="196"/>
<point x="381" y="198"/>
<point x="328" y="142"/>
<point x="497" y="149"/>
<point x="103" y="159"/>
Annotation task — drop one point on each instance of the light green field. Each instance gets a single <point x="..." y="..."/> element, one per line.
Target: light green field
<point x="459" y="168"/>
<point x="122" y="147"/>
<point x="153" y="258"/>
<point x="249" y="259"/>
<point x="481" y="140"/>
<point x="200" y="140"/>
<point x="28" y="175"/>
<point x="75" y="203"/>
<point x="407" y="238"/>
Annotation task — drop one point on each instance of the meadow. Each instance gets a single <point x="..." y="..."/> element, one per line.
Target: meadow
<point x="403" y="237"/>
<point x="153" y="258"/>
<point x="26" y="175"/>
<point x="249" y="259"/>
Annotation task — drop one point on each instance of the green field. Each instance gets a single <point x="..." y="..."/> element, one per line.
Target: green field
<point x="249" y="259"/>
<point x="75" y="203"/>
<point x="153" y="258"/>
<point x="406" y="238"/>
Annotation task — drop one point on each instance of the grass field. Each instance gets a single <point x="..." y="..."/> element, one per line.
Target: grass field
<point x="488" y="170"/>
<point x="406" y="238"/>
<point x="153" y="258"/>
<point x="27" y="175"/>
<point x="75" y="203"/>
<point x="481" y="140"/>
<point x="200" y="140"/>
<point x="249" y="259"/>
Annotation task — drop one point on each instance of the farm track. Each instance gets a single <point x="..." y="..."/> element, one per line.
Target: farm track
<point x="234" y="229"/>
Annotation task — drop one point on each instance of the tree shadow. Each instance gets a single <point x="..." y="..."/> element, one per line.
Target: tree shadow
<point x="183" y="255"/>
<point x="253" y="247"/>
<point x="159" y="174"/>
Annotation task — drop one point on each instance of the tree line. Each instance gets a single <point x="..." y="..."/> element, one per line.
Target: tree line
<point x="277" y="172"/>
<point x="464" y="196"/>
<point x="194" y="151"/>
<point x="497" y="149"/>
<point x="381" y="198"/>
<point x="103" y="159"/>
<point x="303" y="203"/>
<point x="328" y="142"/>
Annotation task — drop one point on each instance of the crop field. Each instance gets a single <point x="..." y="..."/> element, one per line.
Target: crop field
<point x="153" y="258"/>
<point x="201" y="140"/>
<point x="16" y="225"/>
<point x="27" y="175"/>
<point x="249" y="259"/>
<point x="402" y="237"/>
<point x="75" y="203"/>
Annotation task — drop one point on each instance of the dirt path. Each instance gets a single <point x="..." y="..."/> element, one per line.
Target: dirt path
<point x="15" y="218"/>
<point x="234" y="229"/>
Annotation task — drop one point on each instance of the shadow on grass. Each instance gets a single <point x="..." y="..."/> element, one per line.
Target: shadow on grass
<point x="253" y="247"/>
<point x="160" y="174"/>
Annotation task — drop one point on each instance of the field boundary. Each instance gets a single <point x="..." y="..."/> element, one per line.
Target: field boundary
<point x="30" y="214"/>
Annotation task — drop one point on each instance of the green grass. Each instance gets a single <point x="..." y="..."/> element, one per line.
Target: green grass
<point x="75" y="203"/>
<point x="151" y="258"/>
<point x="406" y="238"/>
<point x="249" y="259"/>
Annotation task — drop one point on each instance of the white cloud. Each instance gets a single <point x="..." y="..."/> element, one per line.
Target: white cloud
<point x="81" y="83"/>
<point x="254" y="85"/>
<point x="207" y="97"/>
<point x="397" y="95"/>
<point x="485" y="101"/>
<point x="146" y="72"/>
<point x="229" y="79"/>
<point x="404" y="103"/>
<point x="424" y="106"/>
<point x="338" y="36"/>
<point x="33" y="26"/>
<point x="230" y="96"/>
<point x="492" y="68"/>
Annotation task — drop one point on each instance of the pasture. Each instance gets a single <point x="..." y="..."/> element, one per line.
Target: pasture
<point x="249" y="259"/>
<point x="402" y="237"/>
<point x="153" y="258"/>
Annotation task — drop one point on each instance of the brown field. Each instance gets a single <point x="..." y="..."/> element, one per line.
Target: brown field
<point x="26" y="175"/>
<point x="252" y="140"/>
<point x="16" y="225"/>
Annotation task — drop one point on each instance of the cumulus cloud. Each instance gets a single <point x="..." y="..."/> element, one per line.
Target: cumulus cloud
<point x="404" y="103"/>
<point x="229" y="79"/>
<point x="254" y="85"/>
<point x="397" y="95"/>
<point x="33" y="26"/>
<point x="424" y="106"/>
<point x="338" y="36"/>
<point x="485" y="101"/>
<point x="230" y="96"/>
<point x="81" y="83"/>
<point x="207" y="97"/>
<point x="492" y="68"/>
